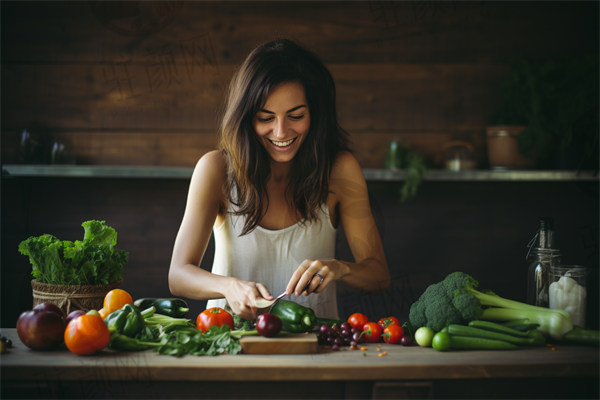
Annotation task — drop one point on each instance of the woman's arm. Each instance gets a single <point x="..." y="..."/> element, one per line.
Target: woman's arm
<point x="370" y="271"/>
<point x="186" y="279"/>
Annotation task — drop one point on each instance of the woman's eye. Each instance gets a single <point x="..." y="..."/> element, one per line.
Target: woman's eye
<point x="297" y="118"/>
<point x="265" y="119"/>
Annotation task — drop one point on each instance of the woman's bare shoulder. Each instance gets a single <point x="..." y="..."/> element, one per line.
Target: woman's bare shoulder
<point x="346" y="166"/>
<point x="210" y="172"/>
<point x="212" y="165"/>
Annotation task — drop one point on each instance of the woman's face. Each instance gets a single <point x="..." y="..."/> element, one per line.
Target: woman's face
<point x="283" y="122"/>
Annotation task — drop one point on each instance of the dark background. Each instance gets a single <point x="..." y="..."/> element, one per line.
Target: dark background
<point x="119" y="95"/>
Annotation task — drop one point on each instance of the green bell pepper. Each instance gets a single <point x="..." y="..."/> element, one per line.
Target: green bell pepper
<point x="296" y="318"/>
<point x="127" y="321"/>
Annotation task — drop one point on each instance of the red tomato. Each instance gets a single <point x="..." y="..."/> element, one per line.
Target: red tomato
<point x="385" y="322"/>
<point x="373" y="332"/>
<point x="86" y="335"/>
<point x="358" y="320"/>
<point x="393" y="334"/>
<point x="213" y="316"/>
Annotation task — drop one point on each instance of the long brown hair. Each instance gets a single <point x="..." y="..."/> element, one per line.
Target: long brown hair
<point x="266" y="67"/>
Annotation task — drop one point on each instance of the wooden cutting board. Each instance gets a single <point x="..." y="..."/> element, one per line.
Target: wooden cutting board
<point x="285" y="344"/>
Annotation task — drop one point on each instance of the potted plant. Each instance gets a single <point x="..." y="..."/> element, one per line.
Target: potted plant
<point x="540" y="104"/>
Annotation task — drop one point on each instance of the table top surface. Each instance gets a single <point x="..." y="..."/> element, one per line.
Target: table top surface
<point x="404" y="363"/>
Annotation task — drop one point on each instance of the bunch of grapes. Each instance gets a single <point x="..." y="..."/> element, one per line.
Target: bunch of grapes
<point x="337" y="336"/>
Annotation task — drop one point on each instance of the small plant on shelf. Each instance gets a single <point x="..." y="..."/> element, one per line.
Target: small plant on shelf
<point x="550" y="98"/>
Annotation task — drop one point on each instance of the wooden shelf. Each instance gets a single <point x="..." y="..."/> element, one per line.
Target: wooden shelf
<point x="161" y="172"/>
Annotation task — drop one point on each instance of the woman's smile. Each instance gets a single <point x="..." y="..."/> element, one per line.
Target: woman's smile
<point x="283" y="146"/>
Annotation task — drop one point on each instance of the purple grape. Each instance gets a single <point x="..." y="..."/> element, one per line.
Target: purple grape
<point x="353" y="343"/>
<point x="347" y="333"/>
<point x="339" y="341"/>
<point x="337" y="328"/>
<point x="324" y="328"/>
<point x="347" y="341"/>
<point x="330" y="340"/>
<point x="331" y="332"/>
<point x="358" y="338"/>
<point x="354" y="330"/>
<point x="335" y="347"/>
<point x="345" y="326"/>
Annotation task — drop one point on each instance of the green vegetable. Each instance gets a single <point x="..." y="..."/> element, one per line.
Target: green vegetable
<point x="217" y="340"/>
<point x="491" y="326"/>
<point x="127" y="321"/>
<point x="176" y="308"/>
<point x="408" y="328"/>
<point x="522" y="325"/>
<point x="151" y="318"/>
<point x="239" y="322"/>
<point x="534" y="334"/>
<point x="584" y="337"/>
<point x="121" y="342"/>
<point x="296" y="318"/>
<point x="468" y="331"/>
<point x="443" y="341"/>
<point x="455" y="301"/>
<point x="93" y="261"/>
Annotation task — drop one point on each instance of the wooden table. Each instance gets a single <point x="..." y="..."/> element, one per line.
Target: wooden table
<point x="405" y="372"/>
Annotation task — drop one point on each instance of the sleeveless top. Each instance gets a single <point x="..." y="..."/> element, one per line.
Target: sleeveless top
<point x="270" y="257"/>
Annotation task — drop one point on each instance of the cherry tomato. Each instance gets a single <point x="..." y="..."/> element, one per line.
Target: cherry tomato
<point x="358" y="320"/>
<point x="393" y="334"/>
<point x="385" y="322"/>
<point x="441" y="341"/>
<point x="373" y="332"/>
<point x="213" y="316"/>
<point x="86" y="335"/>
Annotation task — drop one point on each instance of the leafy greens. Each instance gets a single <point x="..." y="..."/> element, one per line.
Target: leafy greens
<point x="93" y="261"/>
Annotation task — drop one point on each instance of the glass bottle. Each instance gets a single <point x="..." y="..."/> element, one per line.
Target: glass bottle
<point x="542" y="256"/>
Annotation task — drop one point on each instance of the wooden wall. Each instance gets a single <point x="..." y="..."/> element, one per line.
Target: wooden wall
<point x="430" y="75"/>
<point x="420" y="72"/>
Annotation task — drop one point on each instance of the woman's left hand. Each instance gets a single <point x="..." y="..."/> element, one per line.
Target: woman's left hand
<point x="330" y="270"/>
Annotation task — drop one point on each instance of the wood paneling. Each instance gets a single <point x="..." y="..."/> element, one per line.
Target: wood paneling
<point x="370" y="97"/>
<point x="340" y="32"/>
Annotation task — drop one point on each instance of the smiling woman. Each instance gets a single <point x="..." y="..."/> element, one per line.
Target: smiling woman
<point x="274" y="193"/>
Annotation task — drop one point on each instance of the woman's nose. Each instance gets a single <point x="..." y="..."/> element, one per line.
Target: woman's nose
<point x="280" y="129"/>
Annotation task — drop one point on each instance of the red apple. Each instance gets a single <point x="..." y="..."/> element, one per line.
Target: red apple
<point x="52" y="308"/>
<point x="41" y="330"/>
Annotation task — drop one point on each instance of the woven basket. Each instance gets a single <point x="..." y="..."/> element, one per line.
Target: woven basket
<point x="72" y="297"/>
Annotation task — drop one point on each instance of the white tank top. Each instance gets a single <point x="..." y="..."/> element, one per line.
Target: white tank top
<point x="270" y="257"/>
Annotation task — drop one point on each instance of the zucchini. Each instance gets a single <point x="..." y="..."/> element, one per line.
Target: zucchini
<point x="176" y="308"/>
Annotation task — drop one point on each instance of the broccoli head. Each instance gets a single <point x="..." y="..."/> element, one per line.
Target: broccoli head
<point x="445" y="303"/>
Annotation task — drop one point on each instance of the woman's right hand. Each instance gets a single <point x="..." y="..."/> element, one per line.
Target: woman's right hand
<point x="241" y="296"/>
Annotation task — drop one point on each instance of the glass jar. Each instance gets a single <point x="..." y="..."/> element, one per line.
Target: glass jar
<point x="459" y="156"/>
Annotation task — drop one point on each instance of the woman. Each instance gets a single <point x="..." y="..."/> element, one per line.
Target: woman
<point x="274" y="193"/>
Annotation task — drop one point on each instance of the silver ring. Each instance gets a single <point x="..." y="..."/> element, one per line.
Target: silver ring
<point x="319" y="275"/>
